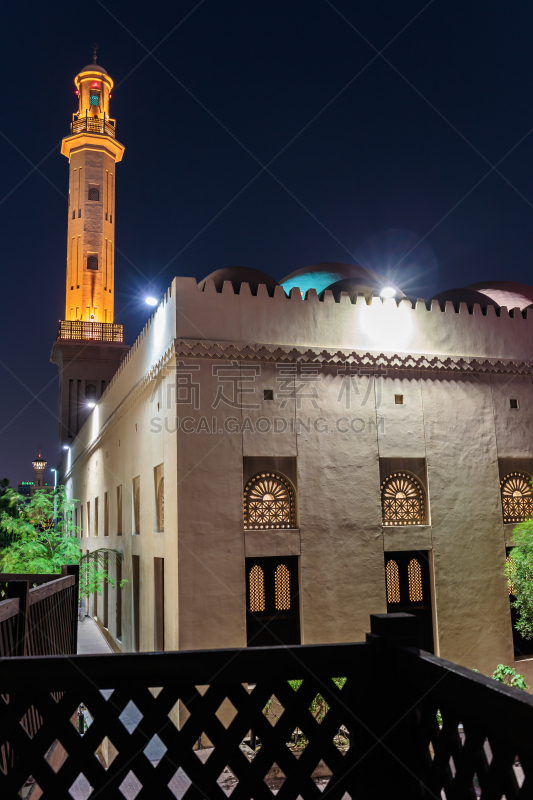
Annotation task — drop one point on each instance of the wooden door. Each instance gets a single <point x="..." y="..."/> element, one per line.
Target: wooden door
<point x="273" y="603"/>
<point x="408" y="589"/>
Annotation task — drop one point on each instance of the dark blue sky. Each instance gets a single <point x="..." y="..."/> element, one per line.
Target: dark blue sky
<point x="369" y="156"/>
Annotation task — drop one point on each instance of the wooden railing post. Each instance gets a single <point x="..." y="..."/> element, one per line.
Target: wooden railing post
<point x="392" y="721"/>
<point x="74" y="569"/>
<point x="20" y="589"/>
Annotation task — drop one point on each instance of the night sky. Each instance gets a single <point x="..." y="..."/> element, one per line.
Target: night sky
<point x="266" y="134"/>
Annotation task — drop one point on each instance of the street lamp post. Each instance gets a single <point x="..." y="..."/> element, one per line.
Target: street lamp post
<point x="55" y="497"/>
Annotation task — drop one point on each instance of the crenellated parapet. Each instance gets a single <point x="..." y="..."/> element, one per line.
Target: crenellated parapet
<point x="363" y="325"/>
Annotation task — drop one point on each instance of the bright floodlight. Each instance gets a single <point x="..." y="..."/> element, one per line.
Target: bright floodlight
<point x="388" y="291"/>
<point x="90" y="404"/>
<point x="66" y="447"/>
<point x="151" y="301"/>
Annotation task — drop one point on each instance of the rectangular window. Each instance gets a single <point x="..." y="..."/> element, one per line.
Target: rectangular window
<point x="159" y="604"/>
<point x="514" y="403"/>
<point x="94" y="96"/>
<point x="136" y="499"/>
<point x="106" y="514"/>
<point x="88" y="517"/>
<point x="398" y="399"/>
<point x="159" y="498"/>
<point x="119" y="510"/>
<point x="81" y="520"/>
<point x="76" y="520"/>
<point x="135" y="588"/>
<point x="96" y="516"/>
<point x="118" y="609"/>
<point x="105" y="598"/>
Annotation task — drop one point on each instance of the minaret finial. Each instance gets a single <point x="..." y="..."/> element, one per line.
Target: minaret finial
<point x="95" y="48"/>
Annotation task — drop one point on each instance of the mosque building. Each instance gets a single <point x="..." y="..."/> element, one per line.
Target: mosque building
<point x="279" y="460"/>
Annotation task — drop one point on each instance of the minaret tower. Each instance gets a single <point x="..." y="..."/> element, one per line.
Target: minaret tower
<point x="89" y="345"/>
<point x="93" y="151"/>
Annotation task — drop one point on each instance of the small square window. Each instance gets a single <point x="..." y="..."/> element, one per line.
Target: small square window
<point x="268" y="394"/>
<point x="514" y="403"/>
<point x="398" y="399"/>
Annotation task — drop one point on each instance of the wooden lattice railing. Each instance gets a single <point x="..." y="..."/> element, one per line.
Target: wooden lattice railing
<point x="39" y="620"/>
<point x="403" y="724"/>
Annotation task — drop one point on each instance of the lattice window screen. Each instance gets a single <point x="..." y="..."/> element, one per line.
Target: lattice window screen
<point x="517" y="497"/>
<point x="414" y="573"/>
<point x="393" y="582"/>
<point x="402" y="499"/>
<point x="268" y="502"/>
<point x="282" y="582"/>
<point x="257" y="589"/>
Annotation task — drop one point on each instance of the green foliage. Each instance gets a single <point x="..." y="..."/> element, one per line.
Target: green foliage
<point x="509" y="676"/>
<point x="10" y="505"/>
<point x="519" y="572"/>
<point x="39" y="546"/>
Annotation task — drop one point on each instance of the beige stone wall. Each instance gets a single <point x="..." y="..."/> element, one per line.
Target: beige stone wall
<point x="454" y="417"/>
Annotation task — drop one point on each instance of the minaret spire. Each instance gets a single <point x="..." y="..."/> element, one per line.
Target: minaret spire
<point x="93" y="152"/>
<point x="89" y="345"/>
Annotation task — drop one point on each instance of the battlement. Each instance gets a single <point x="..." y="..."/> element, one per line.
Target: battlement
<point x="371" y="325"/>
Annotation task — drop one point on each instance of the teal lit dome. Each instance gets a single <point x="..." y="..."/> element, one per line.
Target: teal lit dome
<point x="321" y="276"/>
<point x="355" y="286"/>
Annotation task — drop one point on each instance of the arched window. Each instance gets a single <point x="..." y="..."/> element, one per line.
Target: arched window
<point x="268" y="502"/>
<point x="393" y="581"/>
<point x="402" y="500"/>
<point x="517" y="497"/>
<point x="94" y="193"/>
<point x="161" y="505"/>
<point x="257" y="589"/>
<point x="282" y="581"/>
<point x="414" y="573"/>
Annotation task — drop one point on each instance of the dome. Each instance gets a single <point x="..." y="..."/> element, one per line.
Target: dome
<point x="320" y="276"/>
<point x="356" y="286"/>
<point x="467" y="295"/>
<point x="238" y="275"/>
<point x="93" y="68"/>
<point x="506" y="293"/>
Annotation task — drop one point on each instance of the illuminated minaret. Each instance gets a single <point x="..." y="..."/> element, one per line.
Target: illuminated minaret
<point x="93" y="153"/>
<point x="89" y="345"/>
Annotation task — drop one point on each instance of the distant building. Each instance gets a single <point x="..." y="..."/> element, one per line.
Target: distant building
<point x="28" y="488"/>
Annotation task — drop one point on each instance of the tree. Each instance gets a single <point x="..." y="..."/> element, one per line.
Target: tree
<point x="519" y="572"/>
<point x="38" y="545"/>
<point x="9" y="504"/>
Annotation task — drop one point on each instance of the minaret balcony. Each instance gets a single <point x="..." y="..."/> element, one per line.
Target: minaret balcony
<point x="90" y="331"/>
<point x="103" y="125"/>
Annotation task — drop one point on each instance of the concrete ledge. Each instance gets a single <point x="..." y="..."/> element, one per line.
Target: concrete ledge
<point x="415" y="537"/>
<point x="272" y="543"/>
